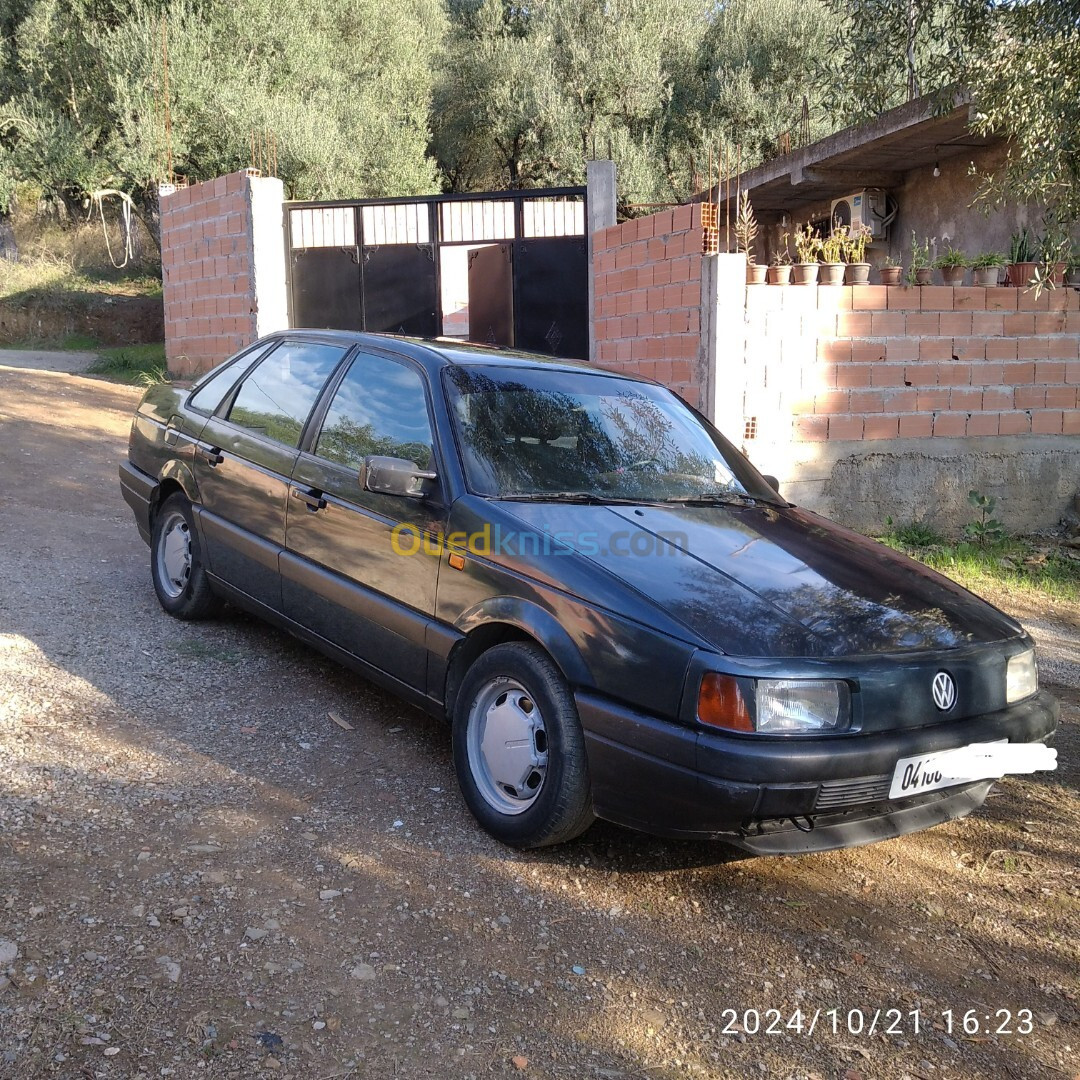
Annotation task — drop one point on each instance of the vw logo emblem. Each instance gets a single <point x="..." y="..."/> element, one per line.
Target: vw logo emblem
<point x="944" y="690"/>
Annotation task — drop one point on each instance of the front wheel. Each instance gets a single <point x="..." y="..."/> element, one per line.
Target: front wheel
<point x="176" y="564"/>
<point x="519" y="751"/>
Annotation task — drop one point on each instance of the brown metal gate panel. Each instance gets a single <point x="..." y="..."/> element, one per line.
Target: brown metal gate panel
<point x="374" y="265"/>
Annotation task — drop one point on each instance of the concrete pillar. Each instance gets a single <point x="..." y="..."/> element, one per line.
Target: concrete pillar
<point x="720" y="364"/>
<point x="268" y="266"/>
<point x="600" y="208"/>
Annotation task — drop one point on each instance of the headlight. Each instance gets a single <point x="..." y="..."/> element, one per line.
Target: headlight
<point x="1021" y="677"/>
<point x="774" y="706"/>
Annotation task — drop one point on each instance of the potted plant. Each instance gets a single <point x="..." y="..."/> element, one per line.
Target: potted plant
<point x="858" y="269"/>
<point x="953" y="265"/>
<point x="920" y="272"/>
<point x="807" y="248"/>
<point x="1022" y="256"/>
<point x="832" y="256"/>
<point x="779" y="273"/>
<point x="890" y="271"/>
<point x="987" y="267"/>
<point x="746" y="231"/>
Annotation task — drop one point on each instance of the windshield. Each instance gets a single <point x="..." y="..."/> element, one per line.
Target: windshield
<point x="543" y="432"/>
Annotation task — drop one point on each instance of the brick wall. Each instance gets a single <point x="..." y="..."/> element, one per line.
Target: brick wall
<point x="875" y="362"/>
<point x="207" y="272"/>
<point x="647" y="297"/>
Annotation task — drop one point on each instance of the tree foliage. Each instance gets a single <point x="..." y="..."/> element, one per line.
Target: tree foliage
<point x="342" y="90"/>
<point x="395" y="97"/>
<point x="1026" y="86"/>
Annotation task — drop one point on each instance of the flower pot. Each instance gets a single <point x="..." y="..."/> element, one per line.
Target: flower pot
<point x="779" y="275"/>
<point x="987" y="276"/>
<point x="805" y="273"/>
<point x="1057" y="275"/>
<point x="831" y="274"/>
<point x="1021" y="273"/>
<point x="857" y="274"/>
<point x="755" y="274"/>
<point x="924" y="275"/>
<point x="890" y="275"/>
<point x="954" y="275"/>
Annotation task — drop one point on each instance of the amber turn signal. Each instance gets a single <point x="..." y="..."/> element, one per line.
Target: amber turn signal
<point x="721" y="703"/>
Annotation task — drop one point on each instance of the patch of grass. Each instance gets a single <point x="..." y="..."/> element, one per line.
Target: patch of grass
<point x="44" y="278"/>
<point x="1018" y="564"/>
<point x="140" y="364"/>
<point x="915" y="534"/>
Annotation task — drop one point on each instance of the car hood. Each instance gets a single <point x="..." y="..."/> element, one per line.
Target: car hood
<point x="770" y="581"/>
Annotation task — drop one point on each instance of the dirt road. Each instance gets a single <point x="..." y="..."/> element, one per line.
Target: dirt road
<point x="202" y="875"/>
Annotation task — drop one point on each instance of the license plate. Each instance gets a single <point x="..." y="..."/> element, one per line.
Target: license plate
<point x="966" y="764"/>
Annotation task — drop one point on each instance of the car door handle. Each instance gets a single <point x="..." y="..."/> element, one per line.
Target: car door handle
<point x="312" y="499"/>
<point x="212" y="456"/>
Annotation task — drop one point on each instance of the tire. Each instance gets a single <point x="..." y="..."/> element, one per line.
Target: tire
<point x="536" y="792"/>
<point x="176" y="563"/>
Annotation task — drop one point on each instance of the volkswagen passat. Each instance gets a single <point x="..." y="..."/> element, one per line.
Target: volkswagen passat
<point x="620" y="617"/>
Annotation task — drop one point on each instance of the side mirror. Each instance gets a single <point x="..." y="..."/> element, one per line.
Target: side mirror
<point x="396" y="476"/>
<point x="772" y="482"/>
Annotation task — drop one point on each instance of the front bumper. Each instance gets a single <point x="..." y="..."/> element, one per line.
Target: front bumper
<point x="777" y="796"/>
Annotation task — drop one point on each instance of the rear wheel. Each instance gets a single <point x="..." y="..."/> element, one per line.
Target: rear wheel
<point x="518" y="748"/>
<point x="176" y="564"/>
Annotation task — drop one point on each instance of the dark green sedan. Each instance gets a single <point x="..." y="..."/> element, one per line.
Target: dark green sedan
<point x="619" y="615"/>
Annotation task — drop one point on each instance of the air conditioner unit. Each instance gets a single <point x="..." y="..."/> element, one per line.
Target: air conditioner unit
<point x="866" y="207"/>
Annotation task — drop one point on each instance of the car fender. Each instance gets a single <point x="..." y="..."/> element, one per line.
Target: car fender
<point x="180" y="473"/>
<point x="538" y="623"/>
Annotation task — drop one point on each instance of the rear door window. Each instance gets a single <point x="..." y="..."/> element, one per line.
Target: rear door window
<point x="276" y="398"/>
<point x="221" y="380"/>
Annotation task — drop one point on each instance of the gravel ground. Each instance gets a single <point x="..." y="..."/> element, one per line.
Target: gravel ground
<point x="45" y="360"/>
<point x="202" y="875"/>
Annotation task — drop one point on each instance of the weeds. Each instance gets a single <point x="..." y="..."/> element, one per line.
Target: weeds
<point x="985" y="529"/>
<point x="1022" y="565"/>
<point x="143" y="365"/>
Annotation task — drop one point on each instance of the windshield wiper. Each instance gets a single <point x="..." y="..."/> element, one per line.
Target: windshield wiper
<point x="716" y="498"/>
<point x="586" y="497"/>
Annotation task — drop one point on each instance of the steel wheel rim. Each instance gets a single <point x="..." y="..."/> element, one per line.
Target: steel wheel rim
<point x="507" y="746"/>
<point x="174" y="555"/>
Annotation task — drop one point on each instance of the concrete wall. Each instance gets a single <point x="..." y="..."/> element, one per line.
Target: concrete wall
<point x="223" y="268"/>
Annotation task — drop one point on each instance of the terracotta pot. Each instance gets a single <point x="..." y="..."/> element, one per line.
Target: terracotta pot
<point x="779" y="275"/>
<point x="831" y="274"/>
<point x="755" y="274"/>
<point x="1057" y="274"/>
<point x="924" y="275"/>
<point x="954" y="275"/>
<point x="805" y="273"/>
<point x="1020" y="274"/>
<point x="987" y="276"/>
<point x="857" y="274"/>
<point x="890" y="275"/>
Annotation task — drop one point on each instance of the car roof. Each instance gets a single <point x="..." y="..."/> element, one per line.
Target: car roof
<point x="452" y="351"/>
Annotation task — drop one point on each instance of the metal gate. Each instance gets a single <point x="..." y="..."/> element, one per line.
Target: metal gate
<point x="377" y="265"/>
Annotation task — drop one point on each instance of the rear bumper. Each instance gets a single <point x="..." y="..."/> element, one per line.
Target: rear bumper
<point x="775" y="796"/>
<point x="138" y="490"/>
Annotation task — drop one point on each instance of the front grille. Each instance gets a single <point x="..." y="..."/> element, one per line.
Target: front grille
<point x="839" y="794"/>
